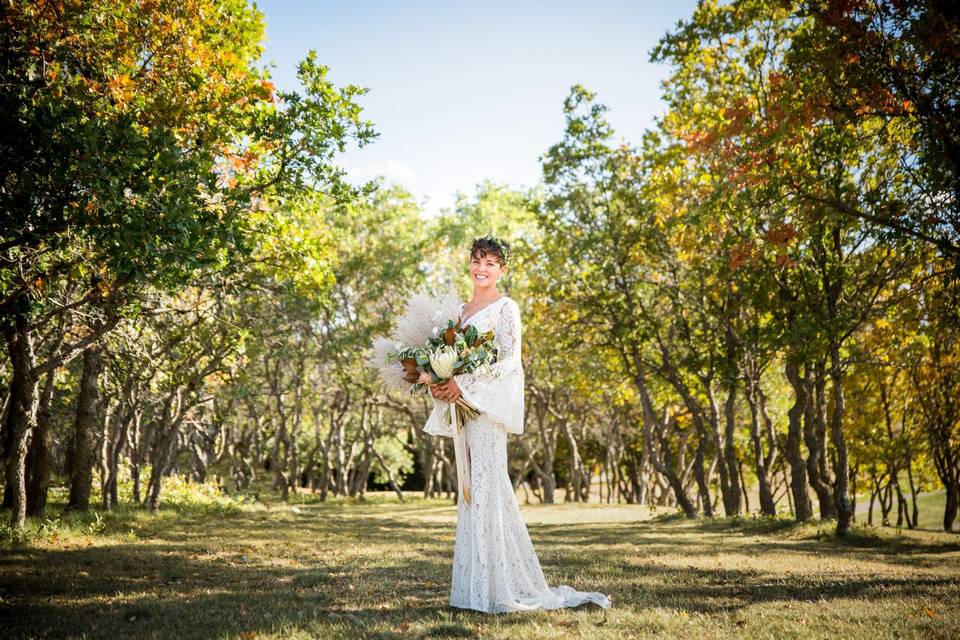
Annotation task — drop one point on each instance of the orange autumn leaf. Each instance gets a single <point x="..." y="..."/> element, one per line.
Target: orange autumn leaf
<point x="740" y="254"/>
<point x="782" y="234"/>
<point x="410" y="372"/>
<point x="121" y="87"/>
<point x="450" y="336"/>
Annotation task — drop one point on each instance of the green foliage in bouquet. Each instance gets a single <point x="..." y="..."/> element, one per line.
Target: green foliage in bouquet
<point x="449" y="352"/>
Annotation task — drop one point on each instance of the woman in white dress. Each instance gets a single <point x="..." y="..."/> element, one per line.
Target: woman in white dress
<point x="495" y="568"/>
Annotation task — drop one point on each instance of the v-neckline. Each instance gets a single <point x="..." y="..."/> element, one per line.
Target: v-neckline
<point x="463" y="321"/>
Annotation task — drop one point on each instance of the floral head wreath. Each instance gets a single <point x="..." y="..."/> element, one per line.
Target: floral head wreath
<point x="502" y="245"/>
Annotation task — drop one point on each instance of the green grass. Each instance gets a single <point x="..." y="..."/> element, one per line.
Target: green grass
<point x="381" y="569"/>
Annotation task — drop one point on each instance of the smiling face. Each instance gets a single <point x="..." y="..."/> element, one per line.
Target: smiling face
<point x="485" y="268"/>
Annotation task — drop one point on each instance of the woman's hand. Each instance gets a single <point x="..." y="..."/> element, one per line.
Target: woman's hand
<point x="449" y="391"/>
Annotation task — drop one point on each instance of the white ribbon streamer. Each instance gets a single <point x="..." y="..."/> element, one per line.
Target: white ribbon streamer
<point x="460" y="452"/>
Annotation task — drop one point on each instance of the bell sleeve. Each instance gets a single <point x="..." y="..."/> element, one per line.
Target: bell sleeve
<point x="438" y="422"/>
<point x="497" y="389"/>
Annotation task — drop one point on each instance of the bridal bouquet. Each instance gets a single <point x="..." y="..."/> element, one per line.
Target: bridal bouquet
<point x="429" y="347"/>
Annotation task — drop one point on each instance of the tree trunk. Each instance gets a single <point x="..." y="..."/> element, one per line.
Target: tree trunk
<point x="38" y="459"/>
<point x="726" y="452"/>
<point x="665" y="466"/>
<point x="952" y="505"/>
<point x="842" y="469"/>
<point x="21" y="414"/>
<point x="803" y="510"/>
<point x="874" y="490"/>
<point x="161" y="463"/>
<point x="645" y="488"/>
<point x="166" y="434"/>
<point x="743" y="486"/>
<point x="278" y="463"/>
<point x="913" y="495"/>
<point x="700" y="453"/>
<point x="576" y="464"/>
<point x="679" y="491"/>
<point x="115" y="443"/>
<point x="814" y="432"/>
<point x="81" y="470"/>
<point x="767" y="505"/>
<point x="731" y="497"/>
<point x="134" y="438"/>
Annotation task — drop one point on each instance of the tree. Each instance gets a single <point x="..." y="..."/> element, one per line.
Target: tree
<point x="899" y="63"/>
<point x="599" y="233"/>
<point x="795" y="169"/>
<point x="144" y="146"/>
<point x="935" y="375"/>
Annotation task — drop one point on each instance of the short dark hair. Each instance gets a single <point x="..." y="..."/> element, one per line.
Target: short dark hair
<point x="491" y="244"/>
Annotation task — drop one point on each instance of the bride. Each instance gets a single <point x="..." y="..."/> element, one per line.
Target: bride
<point x="495" y="568"/>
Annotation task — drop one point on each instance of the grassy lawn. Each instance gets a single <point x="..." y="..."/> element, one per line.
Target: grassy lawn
<point x="381" y="569"/>
<point x="930" y="506"/>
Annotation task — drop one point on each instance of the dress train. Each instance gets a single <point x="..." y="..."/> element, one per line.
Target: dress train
<point x="495" y="568"/>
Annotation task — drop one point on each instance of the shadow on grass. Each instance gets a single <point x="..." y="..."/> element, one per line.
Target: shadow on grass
<point x="599" y="551"/>
<point x="712" y="591"/>
<point x="884" y="542"/>
<point x="173" y="589"/>
<point x="367" y="570"/>
<point x="178" y="587"/>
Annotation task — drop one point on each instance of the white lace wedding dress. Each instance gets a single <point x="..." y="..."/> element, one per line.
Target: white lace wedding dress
<point x="495" y="568"/>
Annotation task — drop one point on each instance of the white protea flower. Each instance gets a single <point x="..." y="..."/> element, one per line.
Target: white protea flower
<point x="442" y="361"/>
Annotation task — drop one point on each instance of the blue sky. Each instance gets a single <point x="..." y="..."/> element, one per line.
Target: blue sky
<point x="463" y="92"/>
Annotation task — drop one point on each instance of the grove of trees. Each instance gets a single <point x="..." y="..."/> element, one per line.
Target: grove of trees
<point x="755" y="308"/>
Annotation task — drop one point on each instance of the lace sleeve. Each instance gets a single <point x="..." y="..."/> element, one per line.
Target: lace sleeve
<point x="438" y="422"/>
<point x="497" y="389"/>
